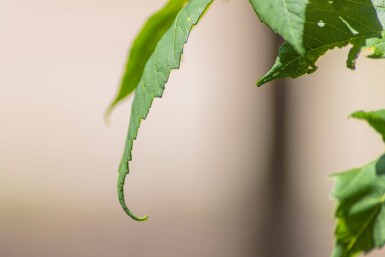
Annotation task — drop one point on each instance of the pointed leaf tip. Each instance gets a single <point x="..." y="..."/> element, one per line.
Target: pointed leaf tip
<point x="376" y="120"/>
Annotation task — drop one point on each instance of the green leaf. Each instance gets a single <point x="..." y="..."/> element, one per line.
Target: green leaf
<point x="331" y="24"/>
<point x="376" y="119"/>
<point x="165" y="57"/>
<point x="286" y="17"/>
<point x="360" y="212"/>
<point x="143" y="46"/>
<point x="361" y="200"/>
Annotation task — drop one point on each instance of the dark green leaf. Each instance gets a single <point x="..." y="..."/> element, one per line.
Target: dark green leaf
<point x="331" y="24"/>
<point x="143" y="46"/>
<point x="165" y="57"/>
<point x="286" y="17"/>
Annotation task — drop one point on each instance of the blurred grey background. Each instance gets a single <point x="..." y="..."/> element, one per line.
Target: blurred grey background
<point x="207" y="168"/>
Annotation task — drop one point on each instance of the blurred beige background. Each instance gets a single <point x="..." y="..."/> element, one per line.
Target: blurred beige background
<point x="202" y="157"/>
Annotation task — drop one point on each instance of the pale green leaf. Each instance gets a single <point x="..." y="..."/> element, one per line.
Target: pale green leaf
<point x="331" y="24"/>
<point x="143" y="46"/>
<point x="286" y="17"/>
<point x="165" y="57"/>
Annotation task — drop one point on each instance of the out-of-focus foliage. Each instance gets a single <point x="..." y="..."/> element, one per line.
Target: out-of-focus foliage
<point x="361" y="201"/>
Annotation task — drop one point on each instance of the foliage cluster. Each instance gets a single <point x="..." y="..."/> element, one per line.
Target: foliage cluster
<point x="310" y="28"/>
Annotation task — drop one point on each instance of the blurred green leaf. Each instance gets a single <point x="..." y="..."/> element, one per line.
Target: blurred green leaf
<point x="286" y="17"/>
<point x="165" y="58"/>
<point x="361" y="200"/>
<point x="375" y="47"/>
<point x="360" y="211"/>
<point x="143" y="46"/>
<point x="376" y="119"/>
<point x="331" y="24"/>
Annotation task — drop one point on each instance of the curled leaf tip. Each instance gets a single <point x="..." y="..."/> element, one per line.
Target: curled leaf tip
<point x="144" y="218"/>
<point x="122" y="201"/>
<point x="133" y="216"/>
<point x="130" y="213"/>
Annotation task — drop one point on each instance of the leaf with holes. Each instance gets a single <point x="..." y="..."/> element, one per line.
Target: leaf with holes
<point x="331" y="24"/>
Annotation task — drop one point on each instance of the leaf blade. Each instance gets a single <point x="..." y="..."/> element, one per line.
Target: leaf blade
<point x="360" y="211"/>
<point x="143" y="47"/>
<point x="332" y="24"/>
<point x="165" y="58"/>
<point x="360" y="194"/>
<point x="286" y="17"/>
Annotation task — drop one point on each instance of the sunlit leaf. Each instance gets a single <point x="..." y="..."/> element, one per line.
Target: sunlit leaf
<point x="331" y="24"/>
<point x="286" y="17"/>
